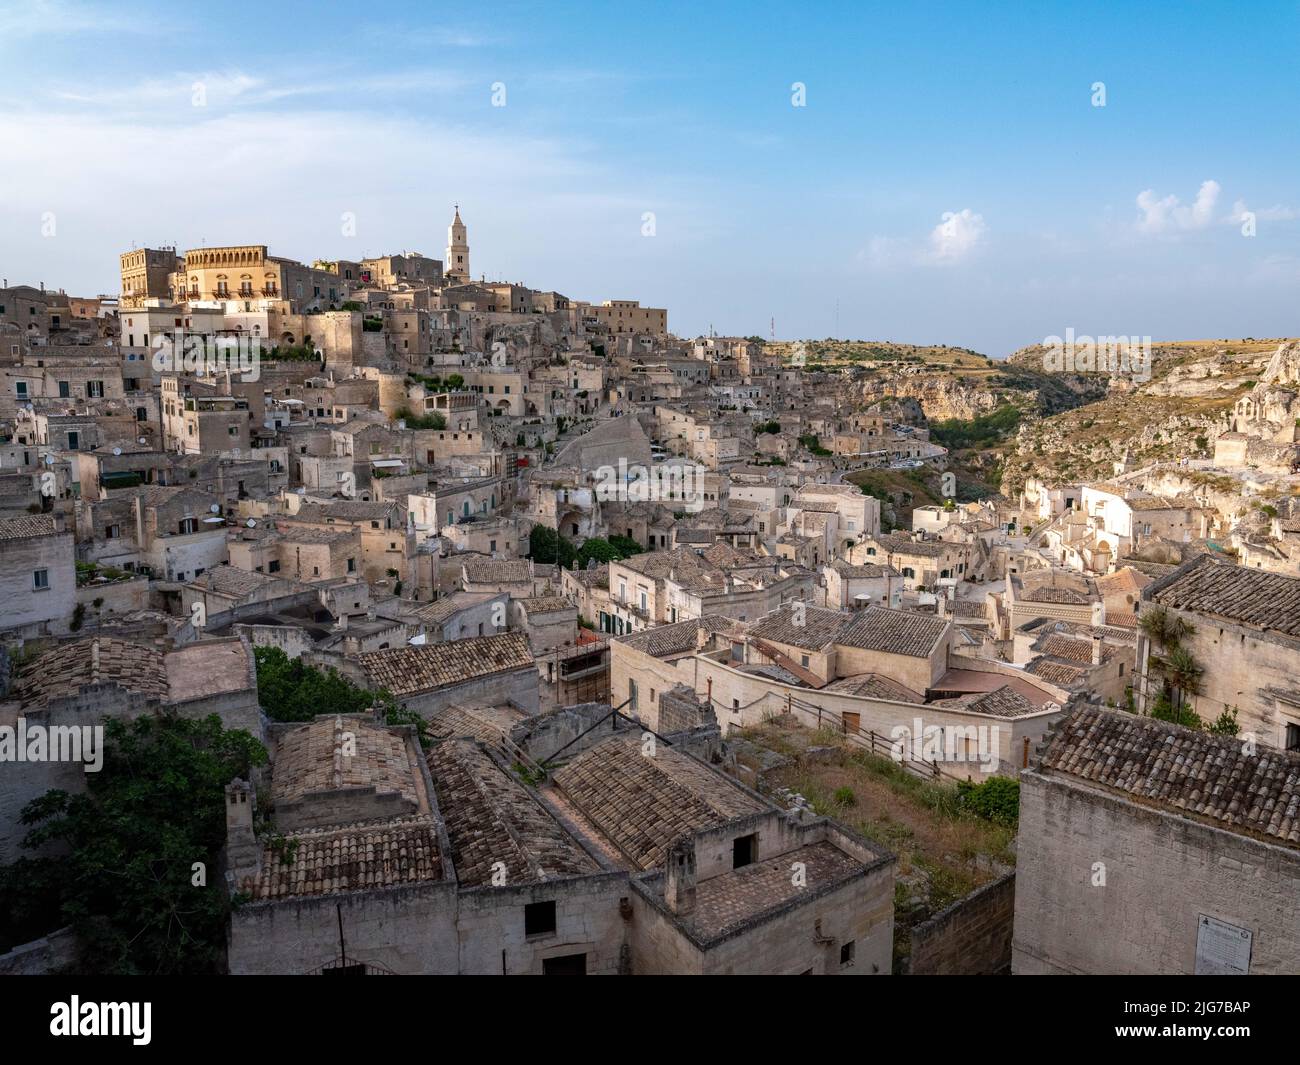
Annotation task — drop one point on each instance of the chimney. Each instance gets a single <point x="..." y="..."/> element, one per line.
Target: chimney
<point x="243" y="853"/>
<point x="1096" y="648"/>
<point x="679" y="879"/>
<point x="60" y="521"/>
<point x="1098" y="613"/>
<point x="943" y="603"/>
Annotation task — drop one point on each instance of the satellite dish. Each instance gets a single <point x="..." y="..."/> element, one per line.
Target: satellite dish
<point x="251" y="523"/>
<point x="215" y="508"/>
<point x="49" y="460"/>
<point x="144" y="440"/>
<point x="117" y="451"/>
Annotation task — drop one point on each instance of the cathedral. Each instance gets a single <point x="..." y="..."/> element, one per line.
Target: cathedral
<point x="457" y="268"/>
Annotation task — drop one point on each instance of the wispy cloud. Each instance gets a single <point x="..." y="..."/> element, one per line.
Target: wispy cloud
<point x="59" y="18"/>
<point x="1169" y="214"/>
<point x="235" y="87"/>
<point x="1276" y="213"/>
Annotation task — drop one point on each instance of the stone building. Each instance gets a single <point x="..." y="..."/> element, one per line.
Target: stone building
<point x="1146" y="847"/>
<point x="1246" y="641"/>
<point x="81" y="682"/>
<point x="626" y="859"/>
<point x="38" y="581"/>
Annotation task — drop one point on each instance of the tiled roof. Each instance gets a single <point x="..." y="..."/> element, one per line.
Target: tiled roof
<point x="723" y="903"/>
<point x="341" y="752"/>
<point x="1066" y="676"/>
<point x="1191" y="772"/>
<point x="233" y="581"/>
<point x="1000" y="702"/>
<point x="26" y="526"/>
<point x="492" y="818"/>
<point x="875" y="686"/>
<point x="903" y="545"/>
<point x="641" y="803"/>
<point x="408" y="670"/>
<point x="487" y="723"/>
<point x="497" y="571"/>
<point x="1074" y="650"/>
<point x="352" y="858"/>
<point x="348" y="511"/>
<point x="1253" y="597"/>
<point x="893" y="631"/>
<point x="867" y="570"/>
<point x="546" y="604"/>
<point x="65" y="669"/>
<point x="680" y="638"/>
<point x="818" y="628"/>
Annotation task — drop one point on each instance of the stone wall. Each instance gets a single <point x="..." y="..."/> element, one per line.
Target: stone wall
<point x="972" y="937"/>
<point x="41" y="957"/>
<point x="1161" y="871"/>
<point x="409" y="931"/>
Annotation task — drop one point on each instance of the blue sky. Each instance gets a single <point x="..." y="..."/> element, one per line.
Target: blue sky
<point x="948" y="181"/>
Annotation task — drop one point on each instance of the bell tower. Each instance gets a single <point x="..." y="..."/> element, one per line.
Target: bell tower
<point x="457" y="268"/>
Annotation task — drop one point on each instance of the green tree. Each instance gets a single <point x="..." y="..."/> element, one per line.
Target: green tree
<point x="1226" y="723"/>
<point x="126" y="882"/>
<point x="548" y="547"/>
<point x="290" y="690"/>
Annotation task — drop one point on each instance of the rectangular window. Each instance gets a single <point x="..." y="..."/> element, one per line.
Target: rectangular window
<point x="742" y="851"/>
<point x="847" y="952"/>
<point x="41" y="580"/>
<point x="539" y="918"/>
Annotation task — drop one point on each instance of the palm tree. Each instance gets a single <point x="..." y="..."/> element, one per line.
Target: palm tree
<point x="1164" y="629"/>
<point x="1181" y="672"/>
<point x="1178" y="669"/>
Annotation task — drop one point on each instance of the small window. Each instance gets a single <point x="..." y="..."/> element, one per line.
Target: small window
<point x="847" y="951"/>
<point x="41" y="580"/>
<point x="742" y="851"/>
<point x="1292" y="737"/>
<point x="539" y="918"/>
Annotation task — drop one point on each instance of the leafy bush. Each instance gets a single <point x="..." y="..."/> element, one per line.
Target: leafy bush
<point x="290" y="690"/>
<point x="996" y="799"/>
<point x="124" y="880"/>
<point x="844" y="796"/>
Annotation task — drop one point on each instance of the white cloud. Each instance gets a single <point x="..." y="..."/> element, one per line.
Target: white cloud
<point x="956" y="235"/>
<point x="1170" y="215"/>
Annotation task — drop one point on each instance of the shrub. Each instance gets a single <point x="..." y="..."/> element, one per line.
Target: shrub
<point x="844" y="796"/>
<point x="996" y="799"/>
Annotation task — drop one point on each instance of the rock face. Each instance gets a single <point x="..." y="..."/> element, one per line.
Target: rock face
<point x="939" y="396"/>
<point x="1283" y="368"/>
<point x="1198" y="391"/>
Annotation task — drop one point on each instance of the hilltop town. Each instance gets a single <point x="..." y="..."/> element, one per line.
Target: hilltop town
<point x="508" y="632"/>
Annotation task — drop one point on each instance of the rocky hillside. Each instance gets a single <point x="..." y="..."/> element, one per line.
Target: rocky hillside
<point x="1178" y="413"/>
<point x="947" y="383"/>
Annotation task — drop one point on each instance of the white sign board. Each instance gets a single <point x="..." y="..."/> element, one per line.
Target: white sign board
<point x="1222" y="949"/>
